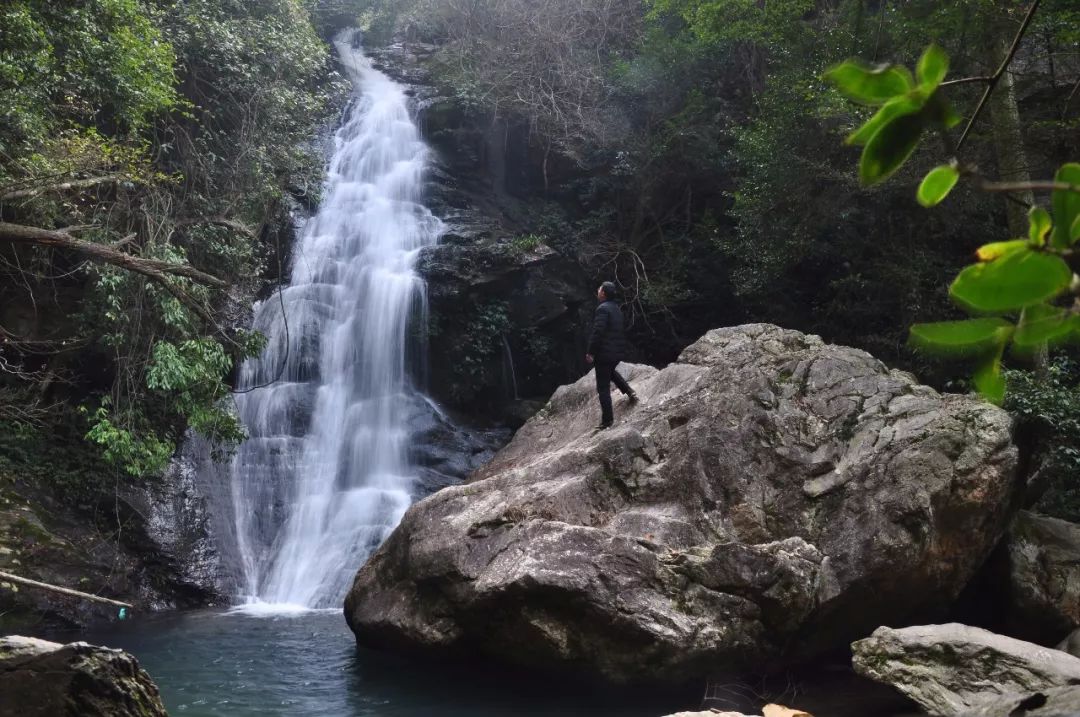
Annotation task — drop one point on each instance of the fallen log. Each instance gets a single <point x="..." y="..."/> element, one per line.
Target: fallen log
<point x="63" y="591"/>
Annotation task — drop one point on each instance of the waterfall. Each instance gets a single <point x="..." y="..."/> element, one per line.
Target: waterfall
<point x="325" y="475"/>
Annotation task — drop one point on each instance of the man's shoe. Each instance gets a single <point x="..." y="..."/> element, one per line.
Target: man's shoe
<point x="603" y="427"/>
<point x="632" y="397"/>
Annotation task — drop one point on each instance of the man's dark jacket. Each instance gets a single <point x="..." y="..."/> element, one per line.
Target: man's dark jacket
<point x="607" y="343"/>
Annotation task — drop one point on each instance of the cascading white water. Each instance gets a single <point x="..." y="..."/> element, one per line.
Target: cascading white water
<point x="324" y="476"/>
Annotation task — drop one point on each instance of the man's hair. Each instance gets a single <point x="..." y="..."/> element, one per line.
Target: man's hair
<point x="610" y="290"/>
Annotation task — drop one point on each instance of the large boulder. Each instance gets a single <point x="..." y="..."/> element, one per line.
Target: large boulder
<point x="954" y="669"/>
<point x="46" y="679"/>
<point x="772" y="497"/>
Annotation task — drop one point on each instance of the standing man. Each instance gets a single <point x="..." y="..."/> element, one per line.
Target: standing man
<point x="607" y="347"/>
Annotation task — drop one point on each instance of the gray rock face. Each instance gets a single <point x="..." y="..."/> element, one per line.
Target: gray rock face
<point x="1056" y="702"/>
<point x="1044" y="574"/>
<point x="771" y="497"/>
<point x="955" y="669"/>
<point x="1071" y="644"/>
<point x="46" y="679"/>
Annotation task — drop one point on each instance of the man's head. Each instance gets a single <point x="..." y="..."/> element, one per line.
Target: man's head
<point x="607" y="291"/>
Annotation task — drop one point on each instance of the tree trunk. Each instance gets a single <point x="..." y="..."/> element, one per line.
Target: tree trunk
<point x="1009" y="137"/>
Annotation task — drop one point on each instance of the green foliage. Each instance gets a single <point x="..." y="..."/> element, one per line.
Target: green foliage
<point x="907" y="109"/>
<point x="970" y="337"/>
<point x="478" y="334"/>
<point x="771" y="24"/>
<point x="1018" y="279"/>
<point x="937" y="185"/>
<point x="102" y="63"/>
<point x="192" y="376"/>
<point x="174" y="112"/>
<point x="138" y="452"/>
<point x="525" y="243"/>
<point x="1013" y="277"/>
<point x="1047" y="406"/>
<point x="483" y="337"/>
<point x="1066" y="205"/>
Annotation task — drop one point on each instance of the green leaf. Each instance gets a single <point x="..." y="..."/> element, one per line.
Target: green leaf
<point x="1074" y="233"/>
<point x="1013" y="281"/>
<point x="961" y="338"/>
<point x="893" y="109"/>
<point x="940" y="111"/>
<point x="1041" y="324"/>
<point x="998" y="249"/>
<point x="932" y="67"/>
<point x="889" y="148"/>
<point x="870" y="85"/>
<point x="1066" y="205"/>
<point x="988" y="378"/>
<point x="937" y="185"/>
<point x="1039" y="225"/>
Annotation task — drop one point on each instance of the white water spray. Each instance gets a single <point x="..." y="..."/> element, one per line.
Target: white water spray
<point x="324" y="476"/>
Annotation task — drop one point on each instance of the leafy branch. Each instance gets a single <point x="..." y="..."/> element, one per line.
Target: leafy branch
<point x="1022" y="292"/>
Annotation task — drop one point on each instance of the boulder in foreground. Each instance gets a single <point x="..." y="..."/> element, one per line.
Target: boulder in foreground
<point x="46" y="679"/>
<point x="1043" y="556"/>
<point x="772" y="497"/>
<point x="960" y="670"/>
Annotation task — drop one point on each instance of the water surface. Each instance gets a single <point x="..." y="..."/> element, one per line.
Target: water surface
<point x="215" y="664"/>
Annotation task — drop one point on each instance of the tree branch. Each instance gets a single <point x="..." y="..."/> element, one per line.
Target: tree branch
<point x="1046" y="186"/>
<point x="967" y="80"/>
<point x="62" y="187"/>
<point x="232" y="224"/>
<point x="155" y="269"/>
<point x="996" y="77"/>
<point x="159" y="271"/>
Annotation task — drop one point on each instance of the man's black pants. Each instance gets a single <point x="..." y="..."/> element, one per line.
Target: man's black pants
<point x="605" y="375"/>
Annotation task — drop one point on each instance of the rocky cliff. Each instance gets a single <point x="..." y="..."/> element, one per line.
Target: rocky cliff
<point x="773" y="497"/>
<point x="507" y="310"/>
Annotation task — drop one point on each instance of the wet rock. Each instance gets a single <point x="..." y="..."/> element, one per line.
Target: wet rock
<point x="105" y="544"/>
<point x="1043" y="557"/>
<point x="46" y="679"/>
<point x="953" y="669"/>
<point x="772" y="497"/>
<point x="506" y="320"/>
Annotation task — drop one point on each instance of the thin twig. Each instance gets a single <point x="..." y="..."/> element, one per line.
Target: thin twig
<point x="1039" y="186"/>
<point x="967" y="80"/>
